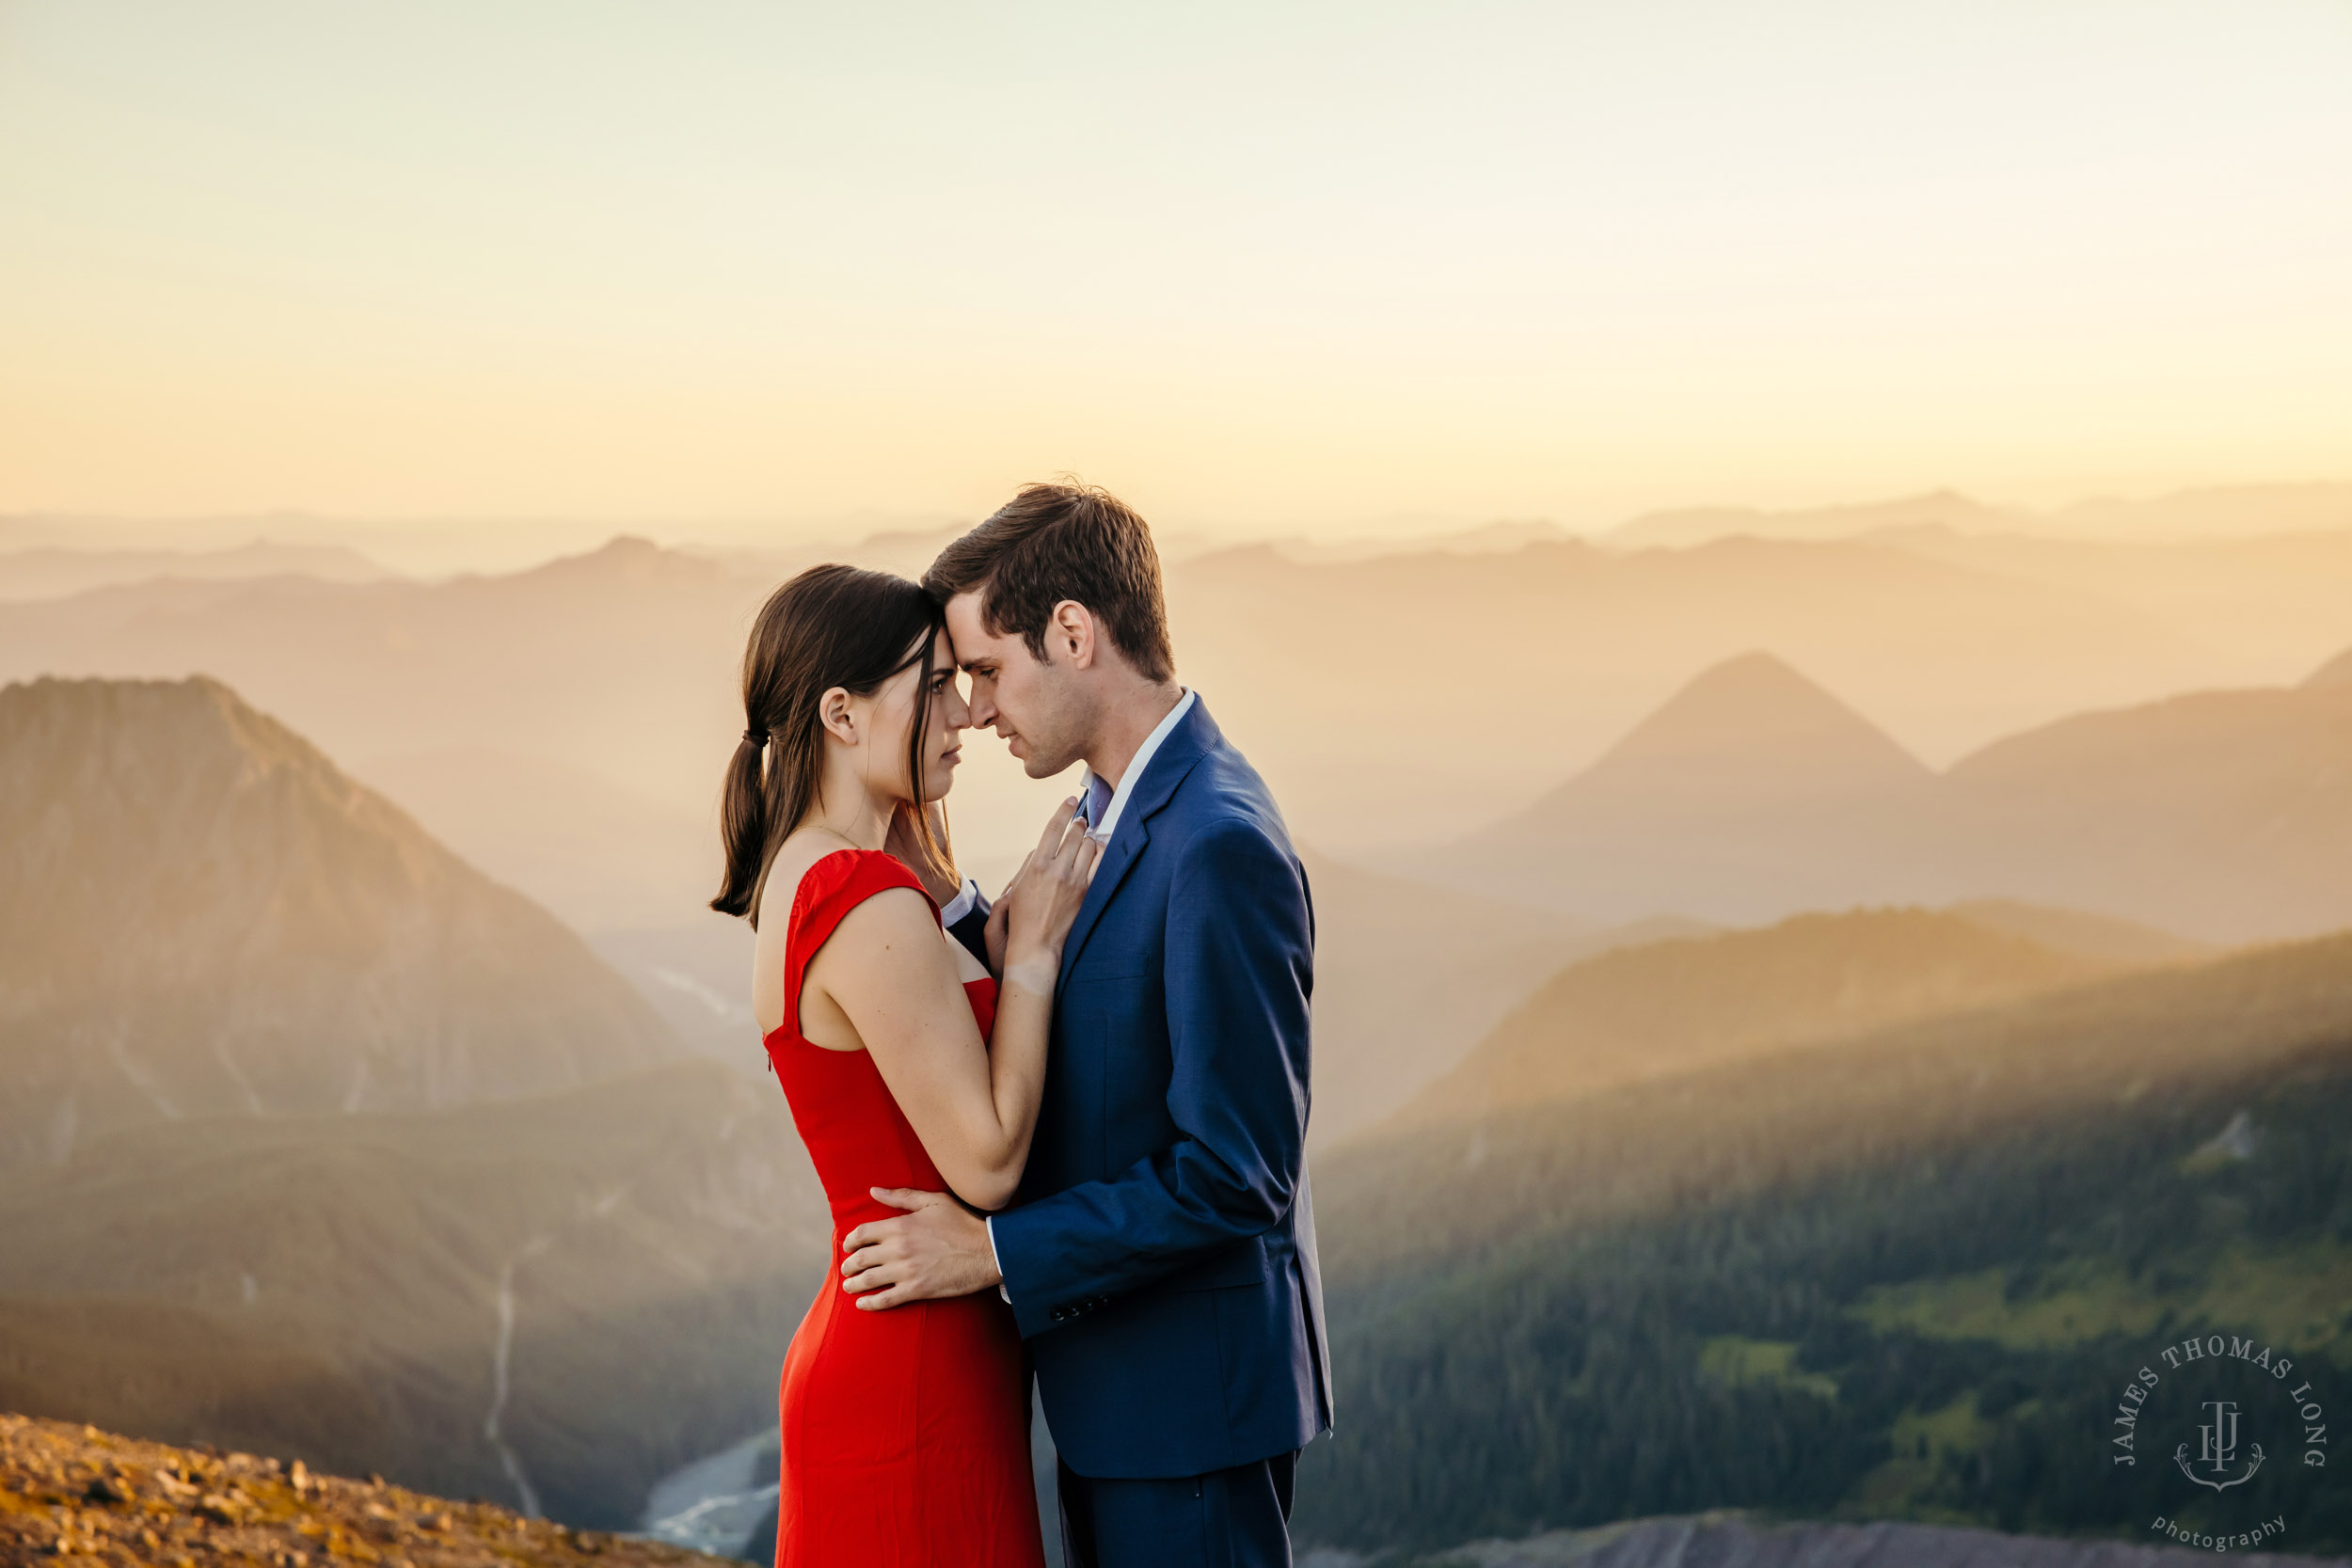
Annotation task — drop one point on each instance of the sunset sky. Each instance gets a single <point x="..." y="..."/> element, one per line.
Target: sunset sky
<point x="1333" y="267"/>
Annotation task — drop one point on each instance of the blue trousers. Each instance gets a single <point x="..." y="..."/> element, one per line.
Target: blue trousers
<point x="1232" y="1518"/>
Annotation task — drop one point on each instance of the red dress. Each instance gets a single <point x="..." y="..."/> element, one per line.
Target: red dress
<point x="906" y="1431"/>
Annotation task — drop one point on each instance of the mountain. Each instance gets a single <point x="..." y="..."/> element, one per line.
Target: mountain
<point x="1684" y="526"/>
<point x="2227" y="513"/>
<point x="1667" y="1007"/>
<point x="322" y="1143"/>
<point x="2126" y="943"/>
<point x="1496" y="538"/>
<point x="570" y="723"/>
<point x="2216" y="511"/>
<point x="1420" y="695"/>
<point x="52" y="573"/>
<point x="2271" y="604"/>
<point x="1783" y="734"/>
<point x="200" y="915"/>
<point x="621" y="661"/>
<point x="552" y="1301"/>
<point x="621" y="664"/>
<point x="1752" y="792"/>
<point x="1409" y="976"/>
<point x="1896" y="1275"/>
<point x="2336" y="672"/>
<point x="2224" y="816"/>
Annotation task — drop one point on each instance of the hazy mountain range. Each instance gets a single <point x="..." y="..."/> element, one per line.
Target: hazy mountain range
<point x="2231" y="512"/>
<point x="1419" y="694"/>
<point x="317" y="1141"/>
<point x="53" y="573"/>
<point x="1754" y="793"/>
<point x="323" y="1135"/>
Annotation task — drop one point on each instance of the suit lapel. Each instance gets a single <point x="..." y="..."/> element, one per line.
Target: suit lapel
<point x="1108" y="873"/>
<point x="1185" y="745"/>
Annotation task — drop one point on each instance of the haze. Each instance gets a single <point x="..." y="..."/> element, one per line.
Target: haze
<point x="742" y="270"/>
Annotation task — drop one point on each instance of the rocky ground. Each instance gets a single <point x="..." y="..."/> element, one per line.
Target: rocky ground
<point x="74" y="1492"/>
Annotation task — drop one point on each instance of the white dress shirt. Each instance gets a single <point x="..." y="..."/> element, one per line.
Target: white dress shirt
<point x="961" y="904"/>
<point x="1103" y="806"/>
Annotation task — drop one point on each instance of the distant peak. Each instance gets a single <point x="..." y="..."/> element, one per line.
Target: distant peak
<point x="1754" y="705"/>
<point x="630" y="557"/>
<point x="2336" y="672"/>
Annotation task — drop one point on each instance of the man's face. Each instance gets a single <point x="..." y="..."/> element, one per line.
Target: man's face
<point x="1035" y="706"/>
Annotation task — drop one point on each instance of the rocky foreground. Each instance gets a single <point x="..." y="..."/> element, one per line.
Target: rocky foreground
<point x="76" y="1492"/>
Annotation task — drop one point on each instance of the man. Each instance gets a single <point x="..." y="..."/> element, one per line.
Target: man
<point x="1160" y="1258"/>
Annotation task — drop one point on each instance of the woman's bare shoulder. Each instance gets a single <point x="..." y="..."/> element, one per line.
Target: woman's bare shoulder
<point x="795" y="857"/>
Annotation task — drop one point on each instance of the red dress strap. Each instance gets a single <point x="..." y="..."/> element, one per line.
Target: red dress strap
<point x="829" y="890"/>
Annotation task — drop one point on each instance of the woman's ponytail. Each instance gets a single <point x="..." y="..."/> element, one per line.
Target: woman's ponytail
<point x="744" y="828"/>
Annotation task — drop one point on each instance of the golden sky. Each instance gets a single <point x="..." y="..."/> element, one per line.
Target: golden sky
<point x="1321" y="266"/>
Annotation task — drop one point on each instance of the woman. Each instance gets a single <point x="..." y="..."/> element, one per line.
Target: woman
<point x="905" y="1430"/>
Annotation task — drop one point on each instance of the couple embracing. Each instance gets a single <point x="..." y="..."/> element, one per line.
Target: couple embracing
<point x="1062" y="1134"/>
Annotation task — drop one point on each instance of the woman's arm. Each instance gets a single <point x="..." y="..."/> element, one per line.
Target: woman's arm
<point x="894" y="980"/>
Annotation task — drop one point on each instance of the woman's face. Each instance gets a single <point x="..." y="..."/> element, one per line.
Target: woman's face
<point x="943" y="742"/>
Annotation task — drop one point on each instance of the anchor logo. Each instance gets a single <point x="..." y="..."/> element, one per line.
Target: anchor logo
<point x="2218" y="1447"/>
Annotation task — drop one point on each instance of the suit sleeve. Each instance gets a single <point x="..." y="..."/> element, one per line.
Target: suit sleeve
<point x="1240" y="959"/>
<point x="971" y="928"/>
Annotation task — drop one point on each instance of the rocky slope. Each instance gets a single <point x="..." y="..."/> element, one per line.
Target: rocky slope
<point x="200" y="915"/>
<point x="76" y="1493"/>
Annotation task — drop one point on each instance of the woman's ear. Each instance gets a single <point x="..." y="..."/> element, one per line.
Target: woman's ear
<point x="836" y="710"/>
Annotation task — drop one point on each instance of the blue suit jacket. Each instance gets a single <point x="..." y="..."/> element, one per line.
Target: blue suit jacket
<point x="1161" y="1253"/>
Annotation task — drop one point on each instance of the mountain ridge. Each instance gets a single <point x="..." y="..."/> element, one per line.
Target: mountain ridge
<point x="204" y="916"/>
<point x="2220" y="814"/>
<point x="1671" y="1007"/>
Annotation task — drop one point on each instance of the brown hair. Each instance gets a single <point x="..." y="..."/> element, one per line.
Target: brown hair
<point x="831" y="625"/>
<point x="1057" y="542"/>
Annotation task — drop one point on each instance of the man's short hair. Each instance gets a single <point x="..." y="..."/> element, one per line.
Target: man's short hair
<point x="1057" y="542"/>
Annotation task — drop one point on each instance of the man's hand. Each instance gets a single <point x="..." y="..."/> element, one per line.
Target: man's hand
<point x="936" y="1249"/>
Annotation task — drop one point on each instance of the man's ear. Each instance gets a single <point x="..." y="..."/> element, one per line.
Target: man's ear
<point x="1072" y="632"/>
<point x="839" y="713"/>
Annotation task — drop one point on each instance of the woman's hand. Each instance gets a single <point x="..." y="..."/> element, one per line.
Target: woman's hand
<point x="994" y="933"/>
<point x="1042" y="900"/>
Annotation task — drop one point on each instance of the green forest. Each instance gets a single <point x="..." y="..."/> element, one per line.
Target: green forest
<point x="1938" y="1337"/>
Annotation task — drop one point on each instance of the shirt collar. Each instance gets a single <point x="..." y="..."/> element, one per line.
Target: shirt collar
<point x="963" y="903"/>
<point x="1105" y="805"/>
